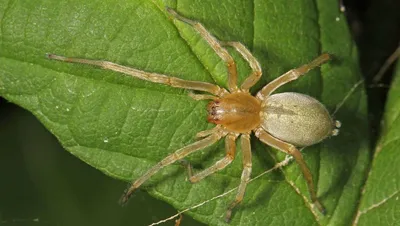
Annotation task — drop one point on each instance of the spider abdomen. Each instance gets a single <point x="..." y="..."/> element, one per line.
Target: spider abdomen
<point x="296" y="118"/>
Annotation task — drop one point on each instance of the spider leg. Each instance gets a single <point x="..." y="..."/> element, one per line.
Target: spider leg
<point x="179" y="154"/>
<point x="254" y="64"/>
<point x="246" y="173"/>
<point x="202" y="96"/>
<point x="293" y="151"/>
<point x="230" y="148"/>
<point x="205" y="133"/>
<point x="215" y="44"/>
<point x="292" y="75"/>
<point x="148" y="76"/>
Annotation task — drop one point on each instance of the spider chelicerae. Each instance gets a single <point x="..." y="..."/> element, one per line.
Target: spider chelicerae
<point x="284" y="121"/>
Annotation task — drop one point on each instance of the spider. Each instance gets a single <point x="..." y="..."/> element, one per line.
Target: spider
<point x="284" y="121"/>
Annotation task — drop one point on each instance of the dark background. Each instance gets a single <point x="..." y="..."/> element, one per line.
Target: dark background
<point x="42" y="184"/>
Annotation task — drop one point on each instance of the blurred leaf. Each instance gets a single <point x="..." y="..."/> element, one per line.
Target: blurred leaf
<point x="56" y="188"/>
<point x="379" y="38"/>
<point x="379" y="203"/>
<point x="122" y="125"/>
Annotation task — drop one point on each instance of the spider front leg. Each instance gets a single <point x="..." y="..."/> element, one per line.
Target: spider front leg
<point x="181" y="153"/>
<point x="216" y="45"/>
<point x="293" y="151"/>
<point x="148" y="76"/>
<point x="292" y="75"/>
<point x="246" y="173"/>
<point x="230" y="148"/>
<point x="256" y="73"/>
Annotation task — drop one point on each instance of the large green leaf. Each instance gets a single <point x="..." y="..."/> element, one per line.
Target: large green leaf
<point x="122" y="125"/>
<point x="379" y="203"/>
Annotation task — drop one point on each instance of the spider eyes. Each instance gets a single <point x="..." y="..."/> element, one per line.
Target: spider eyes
<point x="213" y="110"/>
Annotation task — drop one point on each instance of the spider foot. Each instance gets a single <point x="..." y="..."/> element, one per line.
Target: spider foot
<point x="228" y="215"/>
<point x="185" y="163"/>
<point x="232" y="206"/>
<point x="320" y="207"/>
<point x="126" y="195"/>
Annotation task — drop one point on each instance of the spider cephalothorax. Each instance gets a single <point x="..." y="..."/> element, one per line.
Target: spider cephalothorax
<point x="237" y="112"/>
<point x="284" y="121"/>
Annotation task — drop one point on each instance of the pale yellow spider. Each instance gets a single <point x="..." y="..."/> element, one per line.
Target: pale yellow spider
<point x="284" y="121"/>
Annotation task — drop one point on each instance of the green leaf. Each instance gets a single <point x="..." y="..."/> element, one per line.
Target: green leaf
<point x="379" y="203"/>
<point x="122" y="125"/>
